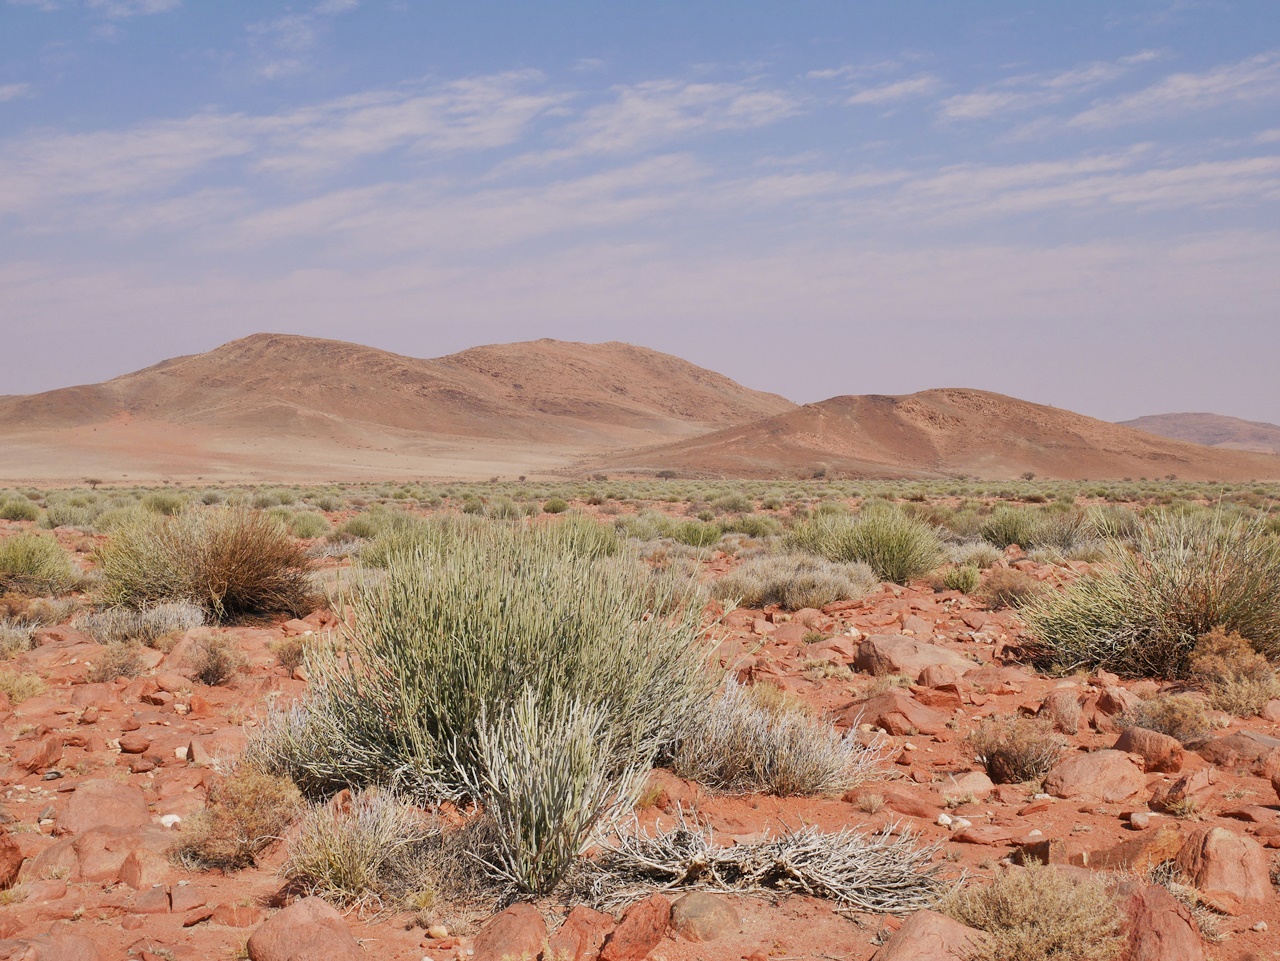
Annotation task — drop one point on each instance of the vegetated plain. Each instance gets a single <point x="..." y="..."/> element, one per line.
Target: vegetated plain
<point x="835" y="705"/>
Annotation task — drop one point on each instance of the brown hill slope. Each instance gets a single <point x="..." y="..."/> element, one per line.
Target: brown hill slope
<point x="939" y="433"/>
<point x="270" y="401"/>
<point x="1212" y="430"/>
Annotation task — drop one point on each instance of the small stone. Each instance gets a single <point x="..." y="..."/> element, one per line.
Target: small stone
<point x="1260" y="926"/>
<point x="701" y="917"/>
<point x="437" y="932"/>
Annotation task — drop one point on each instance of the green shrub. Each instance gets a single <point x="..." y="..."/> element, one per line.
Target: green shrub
<point x="898" y="548"/>
<point x="555" y="506"/>
<point x="1010" y="525"/>
<point x="233" y="563"/>
<point x="964" y="579"/>
<point x="455" y="631"/>
<point x="794" y="581"/>
<point x="123" y="659"/>
<point x="1142" y="615"/>
<point x="753" y="525"/>
<point x="34" y="563"/>
<point x="1236" y="678"/>
<point x="308" y="525"/>
<point x="166" y="503"/>
<point x="19" y="510"/>
<point x="696" y="533"/>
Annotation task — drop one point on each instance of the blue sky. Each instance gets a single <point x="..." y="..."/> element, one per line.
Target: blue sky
<point x="1072" y="203"/>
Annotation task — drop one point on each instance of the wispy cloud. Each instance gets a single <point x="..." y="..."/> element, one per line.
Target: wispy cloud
<point x="123" y="9"/>
<point x="922" y="85"/>
<point x="14" y="91"/>
<point x="1253" y="80"/>
<point x="281" y="45"/>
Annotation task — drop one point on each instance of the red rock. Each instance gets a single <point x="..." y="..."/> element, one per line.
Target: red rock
<point x="1271" y="711"/>
<point x="1103" y="776"/>
<point x="1116" y="700"/>
<point x="898" y="654"/>
<point x="158" y="698"/>
<point x="1243" y="751"/>
<point x="1228" y="868"/>
<point x="903" y="800"/>
<point x="101" y="853"/>
<point x="1138" y="854"/>
<point x="197" y="916"/>
<point x="702" y="917"/>
<point x="134" y="744"/>
<point x="516" y="934"/>
<point x="1198" y="786"/>
<point x="581" y="936"/>
<point x="143" y="869"/>
<point x="102" y="803"/>
<point x="10" y="859"/>
<point x="898" y="713"/>
<point x="152" y="901"/>
<point x="1159" y="752"/>
<point x="1062" y="707"/>
<point x="225" y="744"/>
<point x="41" y="756"/>
<point x="1159" y="928"/>
<point x="973" y="783"/>
<point x="929" y="936"/>
<point x="236" y="915"/>
<point x="640" y="930"/>
<point x="307" y="930"/>
<point x="51" y="947"/>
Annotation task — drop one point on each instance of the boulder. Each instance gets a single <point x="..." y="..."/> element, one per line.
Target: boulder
<point x="1197" y="787"/>
<point x="973" y="784"/>
<point x="899" y="654"/>
<point x="929" y="936"/>
<point x="516" y="934"/>
<point x="1138" y="854"/>
<point x="640" y="931"/>
<point x="102" y="803"/>
<point x="898" y="713"/>
<point x="1242" y="752"/>
<point x="51" y="947"/>
<point x="1159" y="752"/>
<point x="10" y="859"/>
<point x="307" y="930"/>
<point x="1229" y="869"/>
<point x="581" y="936"/>
<point x="1102" y="776"/>
<point x="701" y="917"/>
<point x="1159" y="928"/>
<point x="1062" y="708"/>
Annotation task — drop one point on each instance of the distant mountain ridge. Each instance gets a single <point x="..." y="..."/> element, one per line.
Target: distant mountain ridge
<point x="1212" y="430"/>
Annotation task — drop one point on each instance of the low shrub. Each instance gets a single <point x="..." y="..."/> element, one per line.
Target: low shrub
<point x="245" y="812"/>
<point x="153" y="626"/>
<point x="232" y="563"/>
<point x="977" y="554"/>
<point x="15" y="638"/>
<point x="122" y="659"/>
<point x="215" y="659"/>
<point x="794" y="581"/>
<point x="1015" y="749"/>
<point x="1007" y="587"/>
<point x="18" y="687"/>
<point x="1179" y="715"/>
<point x="308" y="525"/>
<point x="1039" y="913"/>
<point x="1236" y="678"/>
<point x="964" y="579"/>
<point x="19" y="510"/>
<point x="1010" y="525"/>
<point x="167" y="503"/>
<point x="555" y="506"/>
<point x="746" y="742"/>
<point x="898" y="548"/>
<point x="1142" y="615"/>
<point x="34" y="563"/>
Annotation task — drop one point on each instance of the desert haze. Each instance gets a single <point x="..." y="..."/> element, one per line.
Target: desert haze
<point x="279" y="407"/>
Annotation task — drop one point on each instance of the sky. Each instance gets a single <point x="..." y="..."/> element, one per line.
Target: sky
<point x="1073" y="203"/>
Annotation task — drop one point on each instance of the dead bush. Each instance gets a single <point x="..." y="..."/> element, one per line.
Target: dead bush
<point x="1007" y="587"/>
<point x="794" y="581"/>
<point x="245" y="812"/>
<point x="121" y="659"/>
<point x="18" y="687"/>
<point x="1178" y="715"/>
<point x="1016" y="749"/>
<point x="1038" y="913"/>
<point x="157" y="626"/>
<point x="1236" y="677"/>
<point x="215" y="659"/>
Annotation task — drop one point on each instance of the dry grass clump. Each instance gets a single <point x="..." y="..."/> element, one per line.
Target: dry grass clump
<point x="964" y="579"/>
<point x="19" y="687"/>
<point x="118" y="659"/>
<point x="794" y="581"/>
<point x="367" y="848"/>
<point x="233" y="563"/>
<point x="1007" y="587"/>
<point x="1187" y="574"/>
<point x="1016" y="749"/>
<point x="897" y="547"/>
<point x="245" y="812"/>
<point x="215" y="659"/>
<point x="152" y="626"/>
<point x="749" y="741"/>
<point x="1179" y="715"/>
<point x="15" y="637"/>
<point x="1038" y="913"/>
<point x="1236" y="678"/>
<point x="977" y="554"/>
<point x="34" y="563"/>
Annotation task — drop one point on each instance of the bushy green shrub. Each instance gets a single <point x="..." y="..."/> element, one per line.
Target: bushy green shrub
<point x="753" y="525"/>
<point x="964" y="579"/>
<point x="166" y="503"/>
<point x="233" y="563"/>
<point x="898" y="548"/>
<point x="555" y="506"/>
<point x="1010" y="525"/>
<point x="794" y="581"/>
<point x="34" y="563"/>
<point x="308" y="525"/>
<point x="19" y="510"/>
<point x="1142" y="615"/>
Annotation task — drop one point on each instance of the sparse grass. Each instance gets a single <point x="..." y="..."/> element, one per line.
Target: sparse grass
<point x="794" y="581"/>
<point x="1179" y="715"/>
<point x="1007" y="587"/>
<point x="245" y="812"/>
<point x="1038" y="913"/>
<point x="34" y="563"/>
<point x="215" y="659"/>
<point x="118" y="659"/>
<point x="750" y="741"/>
<point x="1236" y="678"/>
<point x="15" y="638"/>
<point x="1015" y="749"/>
<point x="19" y="687"/>
<point x="153" y="626"/>
<point x="1142" y="616"/>
<point x="897" y="547"/>
<point x="233" y="563"/>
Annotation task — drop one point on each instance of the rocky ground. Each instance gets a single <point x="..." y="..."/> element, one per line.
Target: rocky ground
<point x="98" y="777"/>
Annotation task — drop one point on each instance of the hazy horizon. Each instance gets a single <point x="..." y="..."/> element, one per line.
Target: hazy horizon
<point x="1077" y="207"/>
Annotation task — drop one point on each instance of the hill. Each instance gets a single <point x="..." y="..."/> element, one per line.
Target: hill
<point x="273" y="404"/>
<point x="943" y="432"/>
<point x="1212" y="430"/>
